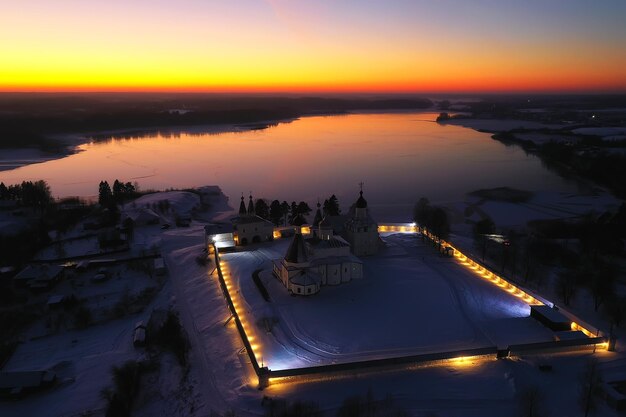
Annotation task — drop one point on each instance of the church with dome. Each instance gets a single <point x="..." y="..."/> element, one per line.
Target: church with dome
<point x="330" y="254"/>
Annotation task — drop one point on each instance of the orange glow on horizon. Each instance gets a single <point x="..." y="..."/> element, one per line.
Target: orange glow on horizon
<point x="444" y="86"/>
<point x="294" y="46"/>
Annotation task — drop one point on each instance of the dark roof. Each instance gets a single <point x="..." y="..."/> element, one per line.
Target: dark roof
<point x="242" y="207"/>
<point x="318" y="216"/>
<point x="216" y="228"/>
<point x="296" y="253"/>
<point x="327" y="243"/>
<point x="361" y="202"/>
<point x="39" y="272"/>
<point x="252" y="219"/>
<point x="305" y="278"/>
<point x="326" y="222"/>
<point x="250" y="206"/>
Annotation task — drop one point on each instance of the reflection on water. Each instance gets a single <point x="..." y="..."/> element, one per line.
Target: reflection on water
<point x="399" y="157"/>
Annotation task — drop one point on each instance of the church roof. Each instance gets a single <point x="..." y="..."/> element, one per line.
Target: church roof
<point x="326" y="222"/>
<point x="335" y="260"/>
<point x="242" y="207"/>
<point x="318" y="216"/>
<point x="250" y="206"/>
<point x="361" y="202"/>
<point x="306" y="277"/>
<point x="251" y="219"/>
<point x="327" y="243"/>
<point x="296" y="253"/>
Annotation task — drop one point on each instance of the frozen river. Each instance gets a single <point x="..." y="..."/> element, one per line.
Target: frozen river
<point x="399" y="156"/>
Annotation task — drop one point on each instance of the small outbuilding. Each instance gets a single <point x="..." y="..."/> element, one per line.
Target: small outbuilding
<point x="551" y="318"/>
<point x="16" y="384"/>
<point x="38" y="277"/>
<point x="219" y="234"/>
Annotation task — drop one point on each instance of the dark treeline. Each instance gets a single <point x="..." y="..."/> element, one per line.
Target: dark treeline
<point x="109" y="197"/>
<point x="26" y="120"/>
<point x="294" y="213"/>
<point x="29" y="194"/>
<point x="571" y="256"/>
<point x="432" y="218"/>
<point x="32" y="205"/>
<point x="590" y="158"/>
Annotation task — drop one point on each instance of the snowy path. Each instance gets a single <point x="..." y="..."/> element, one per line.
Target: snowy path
<point x="223" y="374"/>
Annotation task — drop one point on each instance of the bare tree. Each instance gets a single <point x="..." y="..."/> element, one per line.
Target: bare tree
<point x="531" y="401"/>
<point x="566" y="286"/>
<point x="590" y="383"/>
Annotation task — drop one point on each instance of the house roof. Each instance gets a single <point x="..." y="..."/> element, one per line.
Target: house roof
<point x="217" y="228"/>
<point x="251" y="219"/>
<point x="25" y="379"/>
<point x="39" y="272"/>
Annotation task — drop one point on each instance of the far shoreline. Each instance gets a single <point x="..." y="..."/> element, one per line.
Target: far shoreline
<point x="69" y="143"/>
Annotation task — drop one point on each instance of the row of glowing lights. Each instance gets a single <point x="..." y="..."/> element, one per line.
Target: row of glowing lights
<point x="484" y="273"/>
<point x="495" y="279"/>
<point x="458" y="362"/>
<point x="464" y="260"/>
<point x="247" y="328"/>
<point x="507" y="286"/>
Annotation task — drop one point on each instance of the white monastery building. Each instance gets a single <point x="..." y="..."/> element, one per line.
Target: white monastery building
<point x="325" y="258"/>
<point x="250" y="228"/>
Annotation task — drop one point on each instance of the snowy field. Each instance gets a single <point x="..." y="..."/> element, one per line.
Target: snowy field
<point x="500" y="125"/>
<point x="411" y="301"/>
<point x="542" y="206"/>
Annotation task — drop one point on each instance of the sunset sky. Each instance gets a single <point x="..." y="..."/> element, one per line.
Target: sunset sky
<point x="313" y="46"/>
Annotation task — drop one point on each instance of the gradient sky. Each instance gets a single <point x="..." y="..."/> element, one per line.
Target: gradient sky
<point x="313" y="46"/>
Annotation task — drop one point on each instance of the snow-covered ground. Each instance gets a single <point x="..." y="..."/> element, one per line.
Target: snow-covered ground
<point x="601" y="131"/>
<point x="15" y="158"/>
<point x="411" y="301"/>
<point x="476" y="389"/>
<point x="82" y="360"/>
<point x="543" y="205"/>
<point x="180" y="202"/>
<point x="406" y="285"/>
<point x="500" y="125"/>
<point x="541" y="138"/>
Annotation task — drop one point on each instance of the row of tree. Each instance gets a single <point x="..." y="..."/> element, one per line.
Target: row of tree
<point x="294" y="213"/>
<point x="569" y="256"/>
<point x="108" y="197"/>
<point x="34" y="194"/>
<point x="432" y="218"/>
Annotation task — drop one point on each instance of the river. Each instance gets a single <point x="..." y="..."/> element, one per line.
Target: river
<point x="398" y="156"/>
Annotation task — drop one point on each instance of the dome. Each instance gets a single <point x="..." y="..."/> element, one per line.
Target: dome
<point x="361" y="202"/>
<point x="242" y="207"/>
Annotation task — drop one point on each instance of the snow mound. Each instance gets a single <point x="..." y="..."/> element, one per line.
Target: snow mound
<point x="181" y="202"/>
